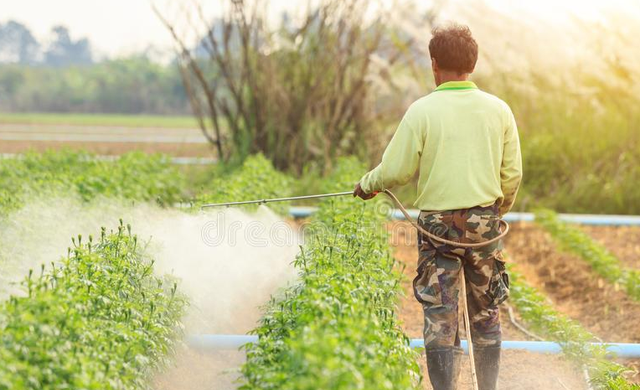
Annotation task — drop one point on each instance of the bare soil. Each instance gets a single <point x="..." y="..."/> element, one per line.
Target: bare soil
<point x="520" y="370"/>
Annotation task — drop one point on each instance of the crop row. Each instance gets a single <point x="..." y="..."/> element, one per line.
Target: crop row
<point x="598" y="257"/>
<point x="572" y="337"/>
<point x="97" y="320"/>
<point x="336" y="327"/>
<point x="135" y="176"/>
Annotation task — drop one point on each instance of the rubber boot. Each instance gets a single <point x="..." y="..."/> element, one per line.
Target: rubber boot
<point x="443" y="365"/>
<point x="487" y="361"/>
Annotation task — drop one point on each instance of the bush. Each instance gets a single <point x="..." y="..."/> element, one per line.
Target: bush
<point x="100" y="320"/>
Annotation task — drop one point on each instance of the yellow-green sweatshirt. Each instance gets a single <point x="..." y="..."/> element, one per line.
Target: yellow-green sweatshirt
<point x="465" y="143"/>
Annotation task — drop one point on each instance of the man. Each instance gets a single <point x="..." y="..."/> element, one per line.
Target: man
<point x="465" y="144"/>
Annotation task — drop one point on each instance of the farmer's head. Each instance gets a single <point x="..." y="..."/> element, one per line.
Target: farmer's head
<point x="453" y="53"/>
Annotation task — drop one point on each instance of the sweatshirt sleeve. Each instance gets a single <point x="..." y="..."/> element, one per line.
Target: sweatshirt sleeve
<point x="511" y="169"/>
<point x="402" y="156"/>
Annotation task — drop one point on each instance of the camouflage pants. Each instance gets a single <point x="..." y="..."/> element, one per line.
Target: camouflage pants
<point x="437" y="285"/>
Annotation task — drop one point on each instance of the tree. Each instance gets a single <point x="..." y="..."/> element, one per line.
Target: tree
<point x="297" y="93"/>
<point x="64" y="51"/>
<point x="17" y="44"/>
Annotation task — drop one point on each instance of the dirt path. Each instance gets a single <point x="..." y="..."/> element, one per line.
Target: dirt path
<point x="520" y="370"/>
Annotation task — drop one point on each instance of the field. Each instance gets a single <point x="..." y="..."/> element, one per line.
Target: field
<point x="339" y="316"/>
<point x="102" y="134"/>
<point x="113" y="276"/>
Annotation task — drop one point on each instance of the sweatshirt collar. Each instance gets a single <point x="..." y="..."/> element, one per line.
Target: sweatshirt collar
<point x="456" y="85"/>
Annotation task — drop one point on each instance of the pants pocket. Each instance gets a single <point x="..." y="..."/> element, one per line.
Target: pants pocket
<point x="499" y="285"/>
<point x="426" y="286"/>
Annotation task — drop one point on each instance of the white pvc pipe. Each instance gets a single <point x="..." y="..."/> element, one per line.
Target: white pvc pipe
<point x="213" y="342"/>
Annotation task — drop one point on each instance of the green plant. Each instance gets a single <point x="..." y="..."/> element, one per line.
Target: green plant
<point x="99" y="320"/>
<point x="336" y="328"/>
<point x="599" y="258"/>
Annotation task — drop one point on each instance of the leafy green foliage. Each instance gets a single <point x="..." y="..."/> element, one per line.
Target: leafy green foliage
<point x="255" y="179"/>
<point x="99" y="320"/>
<point x="573" y="338"/>
<point x="599" y="258"/>
<point x="336" y="328"/>
<point x="136" y="176"/>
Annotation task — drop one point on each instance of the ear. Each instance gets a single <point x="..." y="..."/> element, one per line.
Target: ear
<point x="434" y="64"/>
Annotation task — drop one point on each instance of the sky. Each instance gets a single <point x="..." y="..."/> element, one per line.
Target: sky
<point x="121" y="27"/>
<point x="114" y="27"/>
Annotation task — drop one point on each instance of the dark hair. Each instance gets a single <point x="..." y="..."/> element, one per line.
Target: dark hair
<point x="454" y="48"/>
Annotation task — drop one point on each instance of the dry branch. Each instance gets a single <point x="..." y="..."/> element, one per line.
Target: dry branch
<point x="296" y="93"/>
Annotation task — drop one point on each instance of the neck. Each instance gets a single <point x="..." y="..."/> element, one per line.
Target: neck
<point x="445" y="76"/>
